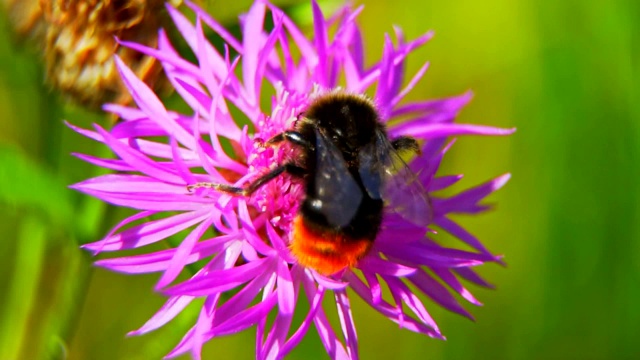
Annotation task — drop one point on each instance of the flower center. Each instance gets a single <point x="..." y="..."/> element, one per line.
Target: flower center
<point x="280" y="197"/>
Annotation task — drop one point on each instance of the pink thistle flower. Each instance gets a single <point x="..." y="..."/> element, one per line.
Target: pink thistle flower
<point x="160" y="152"/>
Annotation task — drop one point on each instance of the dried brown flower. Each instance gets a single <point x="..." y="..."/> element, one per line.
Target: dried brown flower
<point x="78" y="42"/>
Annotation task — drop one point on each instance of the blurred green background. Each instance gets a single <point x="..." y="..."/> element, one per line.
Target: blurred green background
<point x="565" y="73"/>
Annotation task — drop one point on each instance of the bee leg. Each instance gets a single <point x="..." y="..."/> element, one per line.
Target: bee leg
<point x="254" y="185"/>
<point x="293" y="137"/>
<point x="405" y="143"/>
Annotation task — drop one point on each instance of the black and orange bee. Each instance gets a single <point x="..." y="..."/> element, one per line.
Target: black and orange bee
<point x="350" y="169"/>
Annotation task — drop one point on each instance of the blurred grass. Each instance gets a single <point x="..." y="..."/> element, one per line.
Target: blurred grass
<point x="564" y="73"/>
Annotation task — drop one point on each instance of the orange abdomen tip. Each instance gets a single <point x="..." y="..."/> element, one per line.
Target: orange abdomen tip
<point x="324" y="251"/>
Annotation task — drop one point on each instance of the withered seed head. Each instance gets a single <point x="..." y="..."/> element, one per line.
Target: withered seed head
<point x="78" y="38"/>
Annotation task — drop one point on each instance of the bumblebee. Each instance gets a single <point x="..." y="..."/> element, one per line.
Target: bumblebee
<point x="351" y="170"/>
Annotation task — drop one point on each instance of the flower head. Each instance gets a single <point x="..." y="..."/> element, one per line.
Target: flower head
<point x="244" y="241"/>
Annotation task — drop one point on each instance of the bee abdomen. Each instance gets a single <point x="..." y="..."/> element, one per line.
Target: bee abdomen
<point x="324" y="251"/>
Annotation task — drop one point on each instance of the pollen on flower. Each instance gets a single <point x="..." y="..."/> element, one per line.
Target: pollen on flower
<point x="280" y="197"/>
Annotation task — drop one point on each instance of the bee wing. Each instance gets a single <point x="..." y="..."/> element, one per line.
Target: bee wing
<point x="337" y="191"/>
<point x="372" y="169"/>
<point x="385" y="175"/>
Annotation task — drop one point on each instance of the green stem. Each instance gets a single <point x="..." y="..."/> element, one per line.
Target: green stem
<point x="17" y="317"/>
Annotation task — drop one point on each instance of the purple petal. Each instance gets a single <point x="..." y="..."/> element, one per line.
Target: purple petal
<point x="243" y="298"/>
<point x="277" y="336"/>
<point x="167" y="312"/>
<point x="302" y="43"/>
<point x="150" y="200"/>
<point x="467" y="201"/>
<point x="138" y="160"/>
<point x="374" y="286"/>
<point x="289" y="71"/>
<point x="278" y="243"/>
<point x="438" y="293"/>
<point x="443" y="182"/>
<point x="215" y="26"/>
<point x="148" y="232"/>
<point x="250" y="231"/>
<point x="316" y="304"/>
<point x="112" y="164"/>
<point x="98" y="246"/>
<point x="128" y="184"/>
<point x="228" y="223"/>
<point x="151" y="105"/>
<point x="185" y="344"/>
<point x="252" y="32"/>
<point x="472" y="276"/>
<point x="408" y="47"/>
<point x="435" y="255"/>
<point x="205" y="52"/>
<point x="412" y="83"/>
<point x="165" y="57"/>
<point x="447" y="276"/>
<point x="206" y="160"/>
<point x="450" y="105"/>
<point x="286" y="292"/>
<point x="219" y="119"/>
<point x="412" y="301"/>
<point x="223" y="280"/>
<point x="124" y="112"/>
<point x="267" y="48"/>
<point x="332" y="345"/>
<point x="458" y="231"/>
<point x="152" y="148"/>
<point x="137" y="128"/>
<point x="352" y="75"/>
<point x="424" y="130"/>
<point x="246" y="318"/>
<point x="327" y="282"/>
<point x="158" y="261"/>
<point x="386" y="81"/>
<point x="194" y="339"/>
<point x="399" y="56"/>
<point x="357" y="46"/>
<point x="209" y="60"/>
<point x="321" y="42"/>
<point x="389" y="311"/>
<point x="346" y="320"/>
<point x="376" y="265"/>
<point x="203" y="326"/>
<point x="192" y="93"/>
<point x="181" y="167"/>
<point x="182" y="253"/>
<point x="396" y="313"/>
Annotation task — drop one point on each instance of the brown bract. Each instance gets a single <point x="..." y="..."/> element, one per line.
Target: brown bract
<point x="78" y="42"/>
